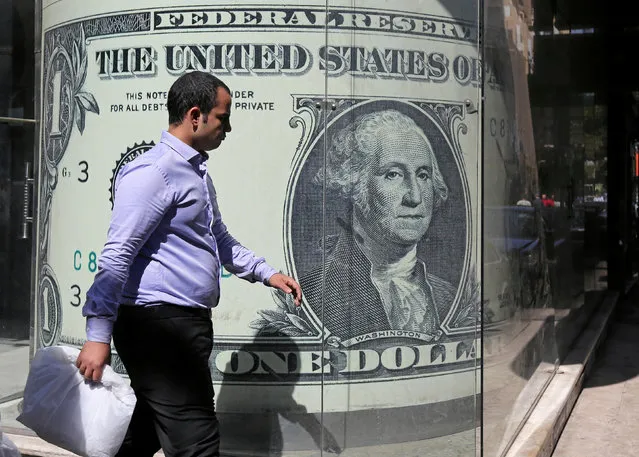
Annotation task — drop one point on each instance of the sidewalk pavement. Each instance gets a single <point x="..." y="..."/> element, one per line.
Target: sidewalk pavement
<point x="605" y="417"/>
<point x="461" y="444"/>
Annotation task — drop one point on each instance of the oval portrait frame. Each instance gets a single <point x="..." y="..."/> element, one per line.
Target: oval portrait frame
<point x="310" y="214"/>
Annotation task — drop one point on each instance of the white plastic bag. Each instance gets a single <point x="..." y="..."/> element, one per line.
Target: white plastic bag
<point x="89" y="419"/>
<point x="7" y="448"/>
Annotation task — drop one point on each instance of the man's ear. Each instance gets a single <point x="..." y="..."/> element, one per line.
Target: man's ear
<point x="194" y="117"/>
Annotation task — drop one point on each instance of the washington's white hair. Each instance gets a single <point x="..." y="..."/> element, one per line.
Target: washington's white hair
<point x="353" y="147"/>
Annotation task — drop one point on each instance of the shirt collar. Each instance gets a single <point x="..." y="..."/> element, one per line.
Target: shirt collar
<point x="186" y="151"/>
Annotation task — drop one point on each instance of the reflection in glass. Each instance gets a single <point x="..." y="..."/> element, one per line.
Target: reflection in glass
<point x="544" y="210"/>
<point x="17" y="58"/>
<point x="16" y="147"/>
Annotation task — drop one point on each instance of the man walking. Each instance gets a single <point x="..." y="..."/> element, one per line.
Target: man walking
<point x="159" y="275"/>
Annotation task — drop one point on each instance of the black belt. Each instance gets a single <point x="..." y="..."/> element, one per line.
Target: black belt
<point x="162" y="310"/>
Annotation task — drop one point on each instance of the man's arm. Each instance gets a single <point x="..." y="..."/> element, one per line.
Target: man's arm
<point x="141" y="200"/>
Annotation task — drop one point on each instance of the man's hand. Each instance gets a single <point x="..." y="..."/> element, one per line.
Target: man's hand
<point x="92" y="359"/>
<point x="288" y="285"/>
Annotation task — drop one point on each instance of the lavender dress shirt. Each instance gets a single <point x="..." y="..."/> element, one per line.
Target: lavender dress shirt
<point x="166" y="240"/>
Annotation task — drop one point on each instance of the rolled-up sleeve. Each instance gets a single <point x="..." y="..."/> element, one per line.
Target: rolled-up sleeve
<point x="142" y="198"/>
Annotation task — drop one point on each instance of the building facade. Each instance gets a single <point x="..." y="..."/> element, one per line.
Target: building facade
<point x="436" y="174"/>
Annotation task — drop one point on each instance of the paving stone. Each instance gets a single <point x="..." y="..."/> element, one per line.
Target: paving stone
<point x="605" y="417"/>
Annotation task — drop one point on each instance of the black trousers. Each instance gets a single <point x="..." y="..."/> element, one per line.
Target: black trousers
<point x="165" y="350"/>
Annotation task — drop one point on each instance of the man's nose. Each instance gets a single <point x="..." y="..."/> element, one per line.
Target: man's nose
<point x="413" y="195"/>
<point x="228" y="127"/>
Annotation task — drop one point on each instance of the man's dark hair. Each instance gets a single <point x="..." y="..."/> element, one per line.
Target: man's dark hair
<point x="193" y="89"/>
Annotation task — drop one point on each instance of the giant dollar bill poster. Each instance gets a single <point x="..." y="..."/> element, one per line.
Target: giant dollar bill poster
<point x="352" y="166"/>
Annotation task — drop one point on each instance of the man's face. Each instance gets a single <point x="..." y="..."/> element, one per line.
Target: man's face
<point x="400" y="189"/>
<point x="210" y="133"/>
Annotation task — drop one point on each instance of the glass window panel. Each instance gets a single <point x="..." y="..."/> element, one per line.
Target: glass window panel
<point x="16" y="147"/>
<point x="401" y="276"/>
<point x="548" y="207"/>
<point x="519" y="342"/>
